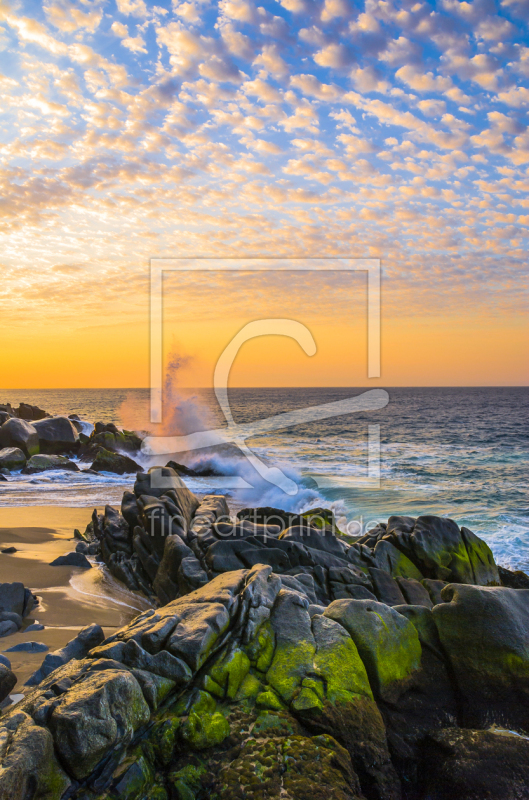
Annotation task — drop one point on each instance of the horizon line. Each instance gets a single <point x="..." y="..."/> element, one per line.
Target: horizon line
<point x="211" y="388"/>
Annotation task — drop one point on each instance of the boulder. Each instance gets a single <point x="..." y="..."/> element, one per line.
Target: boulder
<point x="485" y="634"/>
<point x="166" y="581"/>
<point x="56" y="435"/>
<point x="72" y="560"/>
<point x="28" y="412"/>
<point x="385" y="587"/>
<point x="78" y="647"/>
<point x="11" y="617"/>
<point x="116" y="441"/>
<point x="476" y="764"/>
<point x="390" y="559"/>
<point x="107" y="461"/>
<point x="43" y="462"/>
<point x="28" y="647"/>
<point x="513" y="579"/>
<point x="7" y="628"/>
<point x="21" y="434"/>
<point x="414" y="592"/>
<point x="434" y="589"/>
<point x="12" y="458"/>
<point x="29" y="765"/>
<point x="484" y="569"/>
<point x="440" y="550"/>
<point x="8" y="681"/>
<point x="99" y="713"/>
<point x="387" y="642"/>
<point x="13" y="597"/>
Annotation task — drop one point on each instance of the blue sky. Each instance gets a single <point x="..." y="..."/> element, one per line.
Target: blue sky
<point x="388" y="129"/>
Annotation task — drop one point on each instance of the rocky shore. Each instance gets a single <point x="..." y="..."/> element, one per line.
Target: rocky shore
<point x="281" y="660"/>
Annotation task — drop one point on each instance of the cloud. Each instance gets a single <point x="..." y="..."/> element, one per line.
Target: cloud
<point x="270" y="59"/>
<point x="66" y="16"/>
<point x="136" y="8"/>
<point x="325" y="127"/>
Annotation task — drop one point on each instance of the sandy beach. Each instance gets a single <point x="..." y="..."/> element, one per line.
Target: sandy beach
<point x="70" y="598"/>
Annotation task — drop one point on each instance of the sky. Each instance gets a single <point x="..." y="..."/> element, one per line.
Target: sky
<point x="300" y="128"/>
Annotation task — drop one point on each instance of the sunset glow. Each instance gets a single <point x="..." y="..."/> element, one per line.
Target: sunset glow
<point x="296" y="128"/>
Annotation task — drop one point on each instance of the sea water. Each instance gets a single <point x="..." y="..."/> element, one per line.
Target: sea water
<point x="457" y="452"/>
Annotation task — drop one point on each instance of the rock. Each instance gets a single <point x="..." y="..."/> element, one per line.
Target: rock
<point x="476" y="764"/>
<point x="5" y="661"/>
<point x="9" y="550"/>
<point x="485" y="634"/>
<point x="12" y="458"/>
<point x="166" y="582"/>
<point x="110" y="707"/>
<point x="190" y="575"/>
<point x="106" y="461"/>
<point x="434" y="589"/>
<point x="414" y="592"/>
<point x="36" y="626"/>
<point x="11" y="616"/>
<point x="296" y="767"/>
<point x="7" y="628"/>
<point x="8" y="681"/>
<point x="28" y="647"/>
<point x="28" y="412"/>
<point x="114" y="440"/>
<point x="72" y="560"/>
<point x="3" y="477"/>
<point x="78" y="647"/>
<point x="159" y="480"/>
<point x="81" y="547"/>
<point x="484" y="569"/>
<point x="387" y="642"/>
<point x="391" y="560"/>
<point x="513" y="579"/>
<point x="20" y="434"/>
<point x="386" y="589"/>
<point x="43" y="462"/>
<point x="29" y="766"/>
<point x="440" y="550"/>
<point x="30" y="601"/>
<point x="56" y="435"/>
<point x="181" y="469"/>
<point x="129" y="510"/>
<point x="13" y="597"/>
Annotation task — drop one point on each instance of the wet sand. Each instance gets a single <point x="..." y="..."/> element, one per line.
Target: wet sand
<point x="70" y="598"/>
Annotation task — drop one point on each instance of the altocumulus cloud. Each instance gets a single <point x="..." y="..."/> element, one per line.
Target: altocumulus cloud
<point x="390" y="129"/>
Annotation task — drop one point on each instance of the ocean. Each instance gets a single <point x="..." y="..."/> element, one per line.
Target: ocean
<point x="457" y="452"/>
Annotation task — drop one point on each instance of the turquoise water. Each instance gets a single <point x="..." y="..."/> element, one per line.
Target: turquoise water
<point x="459" y="452"/>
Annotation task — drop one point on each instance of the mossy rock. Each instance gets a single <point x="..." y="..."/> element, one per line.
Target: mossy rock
<point x="187" y="781"/>
<point x="387" y="642"/>
<point x="164" y="737"/>
<point x="133" y="778"/>
<point x="298" y="767"/>
<point x="229" y="671"/>
<point x="204" y="727"/>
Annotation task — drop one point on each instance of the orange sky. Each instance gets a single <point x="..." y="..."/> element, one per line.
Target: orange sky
<point x="422" y="351"/>
<point x="135" y="130"/>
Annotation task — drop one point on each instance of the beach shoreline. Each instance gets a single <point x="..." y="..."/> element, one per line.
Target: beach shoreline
<point x="69" y="598"/>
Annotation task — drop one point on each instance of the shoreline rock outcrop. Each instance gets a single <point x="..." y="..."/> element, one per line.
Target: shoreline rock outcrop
<point x="243" y="687"/>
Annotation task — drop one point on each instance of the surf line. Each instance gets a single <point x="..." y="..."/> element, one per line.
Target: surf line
<point x="237" y="434"/>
